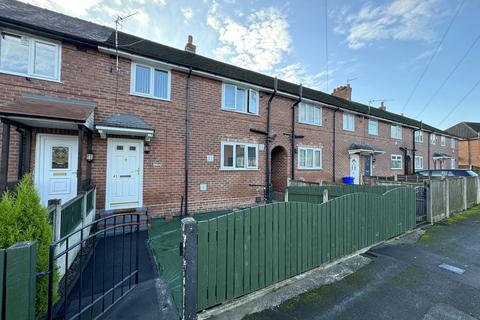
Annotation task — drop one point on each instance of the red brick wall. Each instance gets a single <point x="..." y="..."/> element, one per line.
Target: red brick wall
<point x="88" y="76"/>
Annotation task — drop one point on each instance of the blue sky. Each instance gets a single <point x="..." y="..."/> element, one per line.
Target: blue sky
<point x="385" y="45"/>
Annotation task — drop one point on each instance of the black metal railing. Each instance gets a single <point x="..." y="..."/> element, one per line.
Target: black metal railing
<point x="93" y="267"/>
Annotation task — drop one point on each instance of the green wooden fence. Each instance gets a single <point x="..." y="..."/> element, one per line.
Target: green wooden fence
<point x="314" y="194"/>
<point x="251" y="249"/>
<point x="17" y="281"/>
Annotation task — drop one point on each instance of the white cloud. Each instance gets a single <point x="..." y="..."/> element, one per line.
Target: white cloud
<point x="69" y="7"/>
<point x="298" y="73"/>
<point x="187" y="14"/>
<point x="398" y="20"/>
<point x="258" y="43"/>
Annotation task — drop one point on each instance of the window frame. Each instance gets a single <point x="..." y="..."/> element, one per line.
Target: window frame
<point x="234" y="145"/>
<point x="371" y="120"/>
<point x="150" y="95"/>
<point x="247" y="99"/>
<point x="306" y="106"/>
<point x="433" y="139"/>
<point x="314" y="150"/>
<point x="32" y="40"/>
<point x="443" y="141"/>
<point x="391" y="161"/>
<point x="348" y="114"/>
<point x="398" y="133"/>
<point x="453" y="143"/>
<point x="419" y="134"/>
<point x="419" y="158"/>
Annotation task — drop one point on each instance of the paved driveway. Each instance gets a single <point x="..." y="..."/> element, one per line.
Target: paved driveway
<point x="403" y="280"/>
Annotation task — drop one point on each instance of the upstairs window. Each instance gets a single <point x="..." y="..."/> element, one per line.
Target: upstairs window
<point x="150" y="82"/>
<point x="310" y="114"/>
<point x="433" y="138"/>
<point x="419" y="136"/>
<point x="29" y="57"/>
<point x="443" y="141"/>
<point x="396" y="132"/>
<point x="418" y="162"/>
<point x="239" y="156"/>
<point x="373" y="127"/>
<point x="452" y="143"/>
<point x="309" y="158"/>
<point x="240" y="99"/>
<point x="348" y="121"/>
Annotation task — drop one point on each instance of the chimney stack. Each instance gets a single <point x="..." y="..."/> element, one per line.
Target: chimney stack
<point x="190" y="47"/>
<point x="382" y="106"/>
<point x="344" y="92"/>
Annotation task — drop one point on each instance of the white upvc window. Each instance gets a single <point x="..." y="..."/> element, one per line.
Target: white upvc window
<point x="240" y="99"/>
<point x="443" y="141"/>
<point x="452" y="143"/>
<point x="23" y="55"/>
<point x="309" y="158"/>
<point x="454" y="163"/>
<point x="239" y="156"/>
<point x="418" y="162"/>
<point x="310" y="114"/>
<point x="419" y="136"/>
<point x="348" y="121"/>
<point x="373" y="127"/>
<point x="433" y="138"/>
<point x="396" y="131"/>
<point x="397" y="162"/>
<point x="150" y="82"/>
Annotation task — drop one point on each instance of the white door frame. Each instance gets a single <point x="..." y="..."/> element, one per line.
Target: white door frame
<point x="40" y="159"/>
<point x="357" y="157"/>
<point x="109" y="167"/>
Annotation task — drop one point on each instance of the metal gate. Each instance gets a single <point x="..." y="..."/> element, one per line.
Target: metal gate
<point x="93" y="267"/>
<point x="421" y="200"/>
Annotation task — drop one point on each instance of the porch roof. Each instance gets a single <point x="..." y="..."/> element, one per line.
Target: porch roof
<point x="125" y="124"/>
<point x="364" y="149"/>
<point x="49" y="112"/>
<point x="441" y="155"/>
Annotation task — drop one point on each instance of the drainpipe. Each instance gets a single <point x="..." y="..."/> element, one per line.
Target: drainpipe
<point x="187" y="131"/>
<point x="294" y="106"/>
<point x="334" y="145"/>
<point x="428" y="149"/>
<point x="268" y="182"/>
<point x="414" y="150"/>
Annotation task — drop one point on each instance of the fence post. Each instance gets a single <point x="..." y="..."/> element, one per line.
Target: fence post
<point x="478" y="190"/>
<point x="189" y="268"/>
<point x="2" y="279"/>
<point x="56" y="219"/>
<point x="465" y="204"/>
<point x="21" y="274"/>
<point x="84" y="207"/>
<point x="446" y="188"/>
<point x="286" y="195"/>
<point x="325" y="195"/>
<point x="428" y="199"/>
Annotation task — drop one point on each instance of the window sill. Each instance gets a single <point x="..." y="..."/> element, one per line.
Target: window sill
<point x="149" y="97"/>
<point x="373" y="134"/>
<point x="349" y="130"/>
<point x="310" y="169"/>
<point x="30" y="76"/>
<point x="240" y="112"/>
<point x="396" y="168"/>
<point x="310" y="124"/>
<point x="241" y="169"/>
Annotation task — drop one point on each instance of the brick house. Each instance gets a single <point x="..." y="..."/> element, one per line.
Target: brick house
<point x="469" y="144"/>
<point x="174" y="131"/>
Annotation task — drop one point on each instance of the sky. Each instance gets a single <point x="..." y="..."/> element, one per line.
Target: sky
<point x="419" y="56"/>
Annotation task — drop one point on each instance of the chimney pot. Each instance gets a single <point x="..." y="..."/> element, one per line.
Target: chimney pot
<point x="190" y="47"/>
<point x="382" y="106"/>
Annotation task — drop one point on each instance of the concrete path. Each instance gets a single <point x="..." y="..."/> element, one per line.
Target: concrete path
<point x="404" y="280"/>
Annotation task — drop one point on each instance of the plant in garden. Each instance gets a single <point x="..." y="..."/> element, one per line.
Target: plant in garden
<point x="23" y="218"/>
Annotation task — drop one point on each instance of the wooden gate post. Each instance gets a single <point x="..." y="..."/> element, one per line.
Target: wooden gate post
<point x="325" y="195"/>
<point x="189" y="269"/>
<point x="464" y="191"/>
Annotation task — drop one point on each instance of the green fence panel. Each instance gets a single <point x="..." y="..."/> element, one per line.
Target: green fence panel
<point x="71" y="215"/>
<point x="212" y="261"/>
<point x="90" y="200"/>
<point x="2" y="276"/>
<point x="202" y="265"/>
<point x="246" y="251"/>
<point x="254" y="248"/>
<point x="221" y="290"/>
<point x="20" y="278"/>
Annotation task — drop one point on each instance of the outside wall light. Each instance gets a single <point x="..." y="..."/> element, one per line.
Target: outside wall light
<point x="89" y="157"/>
<point x="146" y="148"/>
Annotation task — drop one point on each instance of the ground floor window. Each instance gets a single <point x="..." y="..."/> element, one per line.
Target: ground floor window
<point x="309" y="158"/>
<point x="454" y="162"/>
<point x="396" y="161"/>
<point x="239" y="156"/>
<point x="418" y="162"/>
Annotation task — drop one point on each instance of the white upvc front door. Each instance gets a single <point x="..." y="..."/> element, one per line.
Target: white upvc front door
<point x="124" y="174"/>
<point x="56" y="164"/>
<point x="355" y="167"/>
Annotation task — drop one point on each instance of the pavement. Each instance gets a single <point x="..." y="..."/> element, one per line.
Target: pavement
<point x="432" y="274"/>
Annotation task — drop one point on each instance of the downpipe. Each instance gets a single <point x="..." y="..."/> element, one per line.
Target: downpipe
<point x="268" y="182"/>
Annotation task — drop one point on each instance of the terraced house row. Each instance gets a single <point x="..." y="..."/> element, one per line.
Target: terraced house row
<point x="171" y="130"/>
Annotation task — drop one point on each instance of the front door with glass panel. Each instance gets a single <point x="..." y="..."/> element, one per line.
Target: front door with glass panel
<point x="355" y="167"/>
<point x="124" y="173"/>
<point x="56" y="167"/>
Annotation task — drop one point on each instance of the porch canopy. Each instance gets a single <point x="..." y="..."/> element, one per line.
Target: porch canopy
<point x="364" y="149"/>
<point x="30" y="111"/>
<point x="441" y="156"/>
<point x="125" y="124"/>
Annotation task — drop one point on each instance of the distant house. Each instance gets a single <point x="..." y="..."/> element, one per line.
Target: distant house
<point x="469" y="145"/>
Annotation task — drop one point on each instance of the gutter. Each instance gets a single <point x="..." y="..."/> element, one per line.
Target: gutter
<point x="268" y="179"/>
<point x="293" y="135"/>
<point x="187" y="134"/>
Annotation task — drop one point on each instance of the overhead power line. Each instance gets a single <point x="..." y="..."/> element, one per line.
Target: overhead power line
<point x="455" y="107"/>
<point x="432" y="56"/>
<point x="457" y="65"/>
